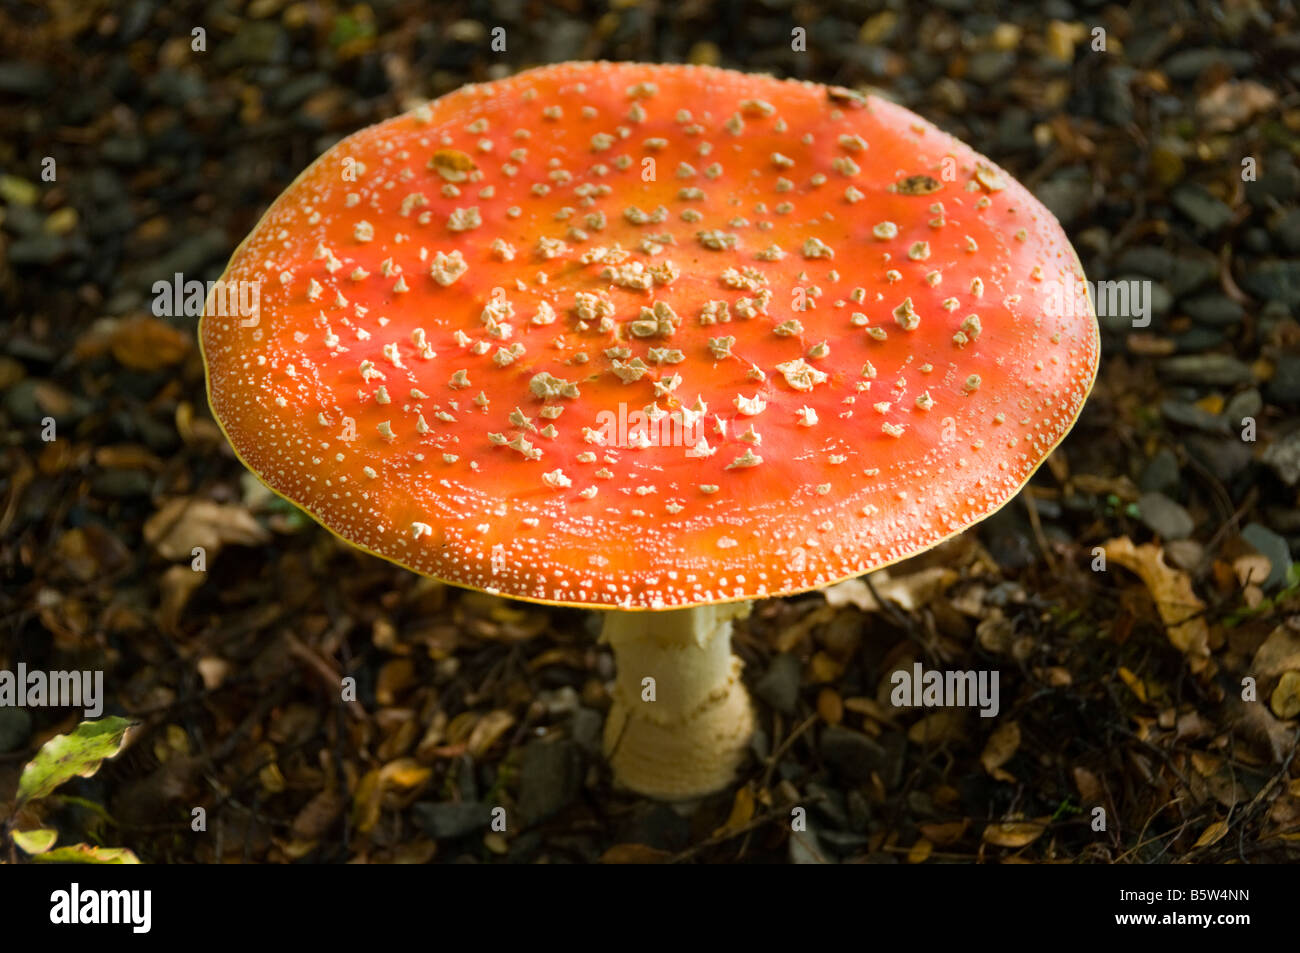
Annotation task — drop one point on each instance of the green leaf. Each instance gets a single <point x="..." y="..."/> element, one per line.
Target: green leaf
<point x="74" y="755"/>
<point x="36" y="841"/>
<point x="85" y="854"/>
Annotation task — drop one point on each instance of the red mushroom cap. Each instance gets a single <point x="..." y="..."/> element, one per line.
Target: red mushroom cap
<point x="848" y="334"/>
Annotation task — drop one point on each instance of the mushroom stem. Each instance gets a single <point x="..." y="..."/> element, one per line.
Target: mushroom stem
<point x="681" y="718"/>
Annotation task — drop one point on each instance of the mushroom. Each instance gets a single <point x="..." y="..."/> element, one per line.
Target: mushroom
<point x="657" y="341"/>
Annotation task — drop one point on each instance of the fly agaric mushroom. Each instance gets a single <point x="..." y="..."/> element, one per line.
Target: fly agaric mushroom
<point x="655" y="340"/>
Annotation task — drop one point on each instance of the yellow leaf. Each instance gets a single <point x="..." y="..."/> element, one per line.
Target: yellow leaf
<point x="147" y="344"/>
<point x="1285" y="700"/>
<point x="742" y="811"/>
<point x="1001" y="746"/>
<point x="491" y="727"/>
<point x="921" y="850"/>
<point x="1212" y="834"/>
<point x="946" y="724"/>
<point x="1014" y="833"/>
<point x="1134" y="684"/>
<point x="404" y="773"/>
<point x="1180" y="609"/>
<point x="634" y="854"/>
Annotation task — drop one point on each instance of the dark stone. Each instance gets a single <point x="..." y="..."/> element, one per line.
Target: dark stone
<point x="850" y="753"/>
<point x="444" y="820"/>
<point x="1284" y="388"/>
<point x="779" y="686"/>
<point x="1275" y="279"/>
<point x="1274" y="547"/>
<point x="1286" y="226"/>
<point x="24" y="79"/>
<point x="1283" y="455"/>
<point x="655" y="825"/>
<point x="549" y="778"/>
<point x="586" y="728"/>
<point x="1198" y="204"/>
<point x="15" y="729"/>
<point x="41" y="249"/>
<point x="1066" y="196"/>
<point x="1149" y="260"/>
<point x="1189" y="64"/>
<point x="1210" y="370"/>
<point x="1225" y="457"/>
<point x="1198" y="339"/>
<point x="1186" y="414"/>
<point x="1161" y="474"/>
<point x="1214" y="309"/>
<point x="121" y="484"/>
<point x="1164" y="517"/>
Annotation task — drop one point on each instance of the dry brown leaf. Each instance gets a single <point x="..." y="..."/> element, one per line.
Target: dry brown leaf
<point x="318" y="815"/>
<point x="147" y="344"/>
<point x="1285" y="700"/>
<point x="1179" y="607"/>
<point x="830" y="707"/>
<point x="1279" y="653"/>
<point x="177" y="584"/>
<point x="947" y="724"/>
<point x="909" y="592"/>
<point x="404" y="773"/>
<point x="1014" y="833"/>
<point x="485" y="734"/>
<point x="742" y="812"/>
<point x="1001" y="747"/>
<point x="634" y="854"/>
<point x="1135" y="684"/>
<point x="920" y="852"/>
<point x="186" y="522"/>
<point x="944" y="833"/>
<point x="1211" y="835"/>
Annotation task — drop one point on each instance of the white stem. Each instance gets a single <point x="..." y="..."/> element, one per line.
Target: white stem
<point x="681" y="719"/>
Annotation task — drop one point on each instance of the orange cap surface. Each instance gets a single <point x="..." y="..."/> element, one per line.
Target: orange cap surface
<point x="618" y="335"/>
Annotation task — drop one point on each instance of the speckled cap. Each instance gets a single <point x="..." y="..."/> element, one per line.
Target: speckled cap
<point x="644" y="337"/>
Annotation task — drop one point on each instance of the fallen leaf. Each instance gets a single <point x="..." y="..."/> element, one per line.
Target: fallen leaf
<point x="78" y="754"/>
<point x="1231" y="105"/>
<point x="147" y="344"/>
<point x="947" y="724"/>
<point x="1180" y="609"/>
<point x="1285" y="700"/>
<point x="186" y="522"/>
<point x="85" y="854"/>
<point x="1135" y="684"/>
<point x="36" y="841"/>
<point x="634" y="854"/>
<point x="486" y="732"/>
<point x="1279" y="653"/>
<point x="944" y="833"/>
<point x="1014" y="833"/>
<point x="920" y="851"/>
<point x="742" y="812"/>
<point x="1000" y="748"/>
<point x="909" y="592"/>
<point x="1212" y="834"/>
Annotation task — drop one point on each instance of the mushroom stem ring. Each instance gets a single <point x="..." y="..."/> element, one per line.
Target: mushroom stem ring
<point x="681" y="719"/>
